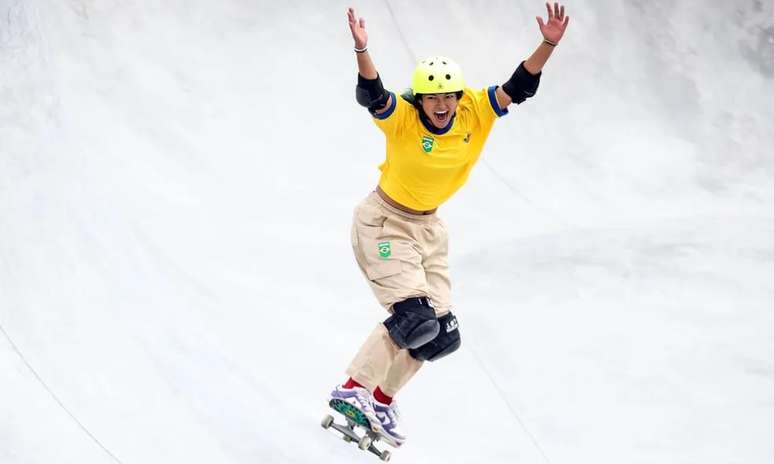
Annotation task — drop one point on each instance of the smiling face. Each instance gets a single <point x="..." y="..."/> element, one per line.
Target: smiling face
<point x="439" y="107"/>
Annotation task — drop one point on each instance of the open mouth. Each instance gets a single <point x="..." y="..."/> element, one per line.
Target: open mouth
<point x="441" y="116"/>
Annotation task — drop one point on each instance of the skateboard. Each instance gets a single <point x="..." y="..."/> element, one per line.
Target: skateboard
<point x="357" y="429"/>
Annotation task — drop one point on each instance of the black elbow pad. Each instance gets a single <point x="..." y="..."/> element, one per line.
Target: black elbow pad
<point x="370" y="93"/>
<point x="522" y="85"/>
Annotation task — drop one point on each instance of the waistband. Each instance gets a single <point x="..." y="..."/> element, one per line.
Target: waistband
<point x="375" y="198"/>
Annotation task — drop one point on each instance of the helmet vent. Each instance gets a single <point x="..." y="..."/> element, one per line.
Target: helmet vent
<point x="435" y="74"/>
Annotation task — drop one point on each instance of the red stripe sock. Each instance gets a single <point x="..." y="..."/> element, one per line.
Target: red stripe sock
<point x="381" y="397"/>
<point x="352" y="384"/>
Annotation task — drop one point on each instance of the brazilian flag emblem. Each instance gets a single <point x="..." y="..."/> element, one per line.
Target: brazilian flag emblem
<point x="385" y="250"/>
<point x="427" y="144"/>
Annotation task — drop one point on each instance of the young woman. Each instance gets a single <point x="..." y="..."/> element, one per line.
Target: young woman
<point x="434" y="135"/>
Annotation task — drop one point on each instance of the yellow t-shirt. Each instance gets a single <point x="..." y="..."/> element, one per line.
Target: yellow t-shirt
<point x="426" y="165"/>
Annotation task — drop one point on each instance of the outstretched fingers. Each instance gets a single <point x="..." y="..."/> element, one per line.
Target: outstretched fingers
<point x="351" y="17"/>
<point x="355" y="23"/>
<point x="357" y="27"/>
<point x="555" y="12"/>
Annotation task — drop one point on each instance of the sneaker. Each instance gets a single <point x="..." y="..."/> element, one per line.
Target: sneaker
<point x="356" y="404"/>
<point x="388" y="416"/>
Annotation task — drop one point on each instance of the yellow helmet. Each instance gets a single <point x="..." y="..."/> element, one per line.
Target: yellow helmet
<point x="437" y="74"/>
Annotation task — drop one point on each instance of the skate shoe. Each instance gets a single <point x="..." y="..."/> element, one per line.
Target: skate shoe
<point x="388" y="416"/>
<point x="357" y="405"/>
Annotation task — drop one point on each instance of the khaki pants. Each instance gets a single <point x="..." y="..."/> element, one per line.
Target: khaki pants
<point x="402" y="255"/>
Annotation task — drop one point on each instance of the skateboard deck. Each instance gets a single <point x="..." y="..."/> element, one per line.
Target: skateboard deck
<point x="358" y="429"/>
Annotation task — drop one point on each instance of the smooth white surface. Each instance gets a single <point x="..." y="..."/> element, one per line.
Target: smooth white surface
<point x="176" y="187"/>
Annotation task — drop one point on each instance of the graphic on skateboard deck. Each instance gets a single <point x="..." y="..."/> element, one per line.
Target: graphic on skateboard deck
<point x="357" y="421"/>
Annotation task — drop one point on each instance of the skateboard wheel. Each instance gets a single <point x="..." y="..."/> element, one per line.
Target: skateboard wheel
<point x="364" y="443"/>
<point x="385" y="456"/>
<point x="327" y="422"/>
<point x="347" y="438"/>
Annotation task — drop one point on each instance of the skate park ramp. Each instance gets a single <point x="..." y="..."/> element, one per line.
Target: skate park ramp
<point x="177" y="182"/>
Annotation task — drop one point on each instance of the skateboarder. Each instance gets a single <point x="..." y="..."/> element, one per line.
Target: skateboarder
<point x="434" y="135"/>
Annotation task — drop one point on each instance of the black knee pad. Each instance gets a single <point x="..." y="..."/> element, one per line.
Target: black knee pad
<point x="446" y="342"/>
<point x="412" y="323"/>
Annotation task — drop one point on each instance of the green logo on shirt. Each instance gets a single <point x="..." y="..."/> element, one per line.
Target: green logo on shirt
<point x="427" y="144"/>
<point x="385" y="251"/>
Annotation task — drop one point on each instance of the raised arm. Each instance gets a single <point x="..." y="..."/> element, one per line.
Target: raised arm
<point x="370" y="92"/>
<point x="524" y="82"/>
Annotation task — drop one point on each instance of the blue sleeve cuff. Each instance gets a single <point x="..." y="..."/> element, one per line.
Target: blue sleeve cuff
<point x="493" y="101"/>
<point x="389" y="111"/>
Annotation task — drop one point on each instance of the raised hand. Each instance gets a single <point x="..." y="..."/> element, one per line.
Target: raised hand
<point x="553" y="29"/>
<point x="357" y="26"/>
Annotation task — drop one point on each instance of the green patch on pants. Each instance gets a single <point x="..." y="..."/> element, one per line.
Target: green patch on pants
<point x="385" y="250"/>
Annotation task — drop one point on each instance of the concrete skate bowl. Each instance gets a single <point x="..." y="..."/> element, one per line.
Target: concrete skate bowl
<point x="176" y="280"/>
